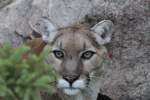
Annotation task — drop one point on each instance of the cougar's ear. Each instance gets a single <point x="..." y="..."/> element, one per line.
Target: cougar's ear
<point x="44" y="27"/>
<point x="103" y="31"/>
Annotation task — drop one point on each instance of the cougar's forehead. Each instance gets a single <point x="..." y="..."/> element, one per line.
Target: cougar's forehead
<point x="73" y="42"/>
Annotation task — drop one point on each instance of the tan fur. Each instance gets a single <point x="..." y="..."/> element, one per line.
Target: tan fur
<point x="72" y="40"/>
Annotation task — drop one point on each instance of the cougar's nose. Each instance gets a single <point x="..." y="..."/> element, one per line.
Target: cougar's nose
<point x="71" y="78"/>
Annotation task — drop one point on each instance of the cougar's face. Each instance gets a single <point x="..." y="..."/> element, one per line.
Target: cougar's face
<point x="76" y="52"/>
<point x="74" y="59"/>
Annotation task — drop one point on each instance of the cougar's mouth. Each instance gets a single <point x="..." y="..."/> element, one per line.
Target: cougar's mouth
<point x="71" y="89"/>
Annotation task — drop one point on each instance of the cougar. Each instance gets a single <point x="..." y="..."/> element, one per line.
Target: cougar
<point x="77" y="55"/>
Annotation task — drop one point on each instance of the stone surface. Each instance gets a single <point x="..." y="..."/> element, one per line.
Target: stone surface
<point x="128" y="77"/>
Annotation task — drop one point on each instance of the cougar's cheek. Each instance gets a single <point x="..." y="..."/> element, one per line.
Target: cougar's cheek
<point x="91" y="75"/>
<point x="61" y="83"/>
<point x="81" y="84"/>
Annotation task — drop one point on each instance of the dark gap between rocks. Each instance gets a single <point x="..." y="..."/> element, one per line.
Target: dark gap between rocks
<point x="103" y="97"/>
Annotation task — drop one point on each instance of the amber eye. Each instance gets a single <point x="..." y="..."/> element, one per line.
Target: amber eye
<point x="87" y="55"/>
<point x="58" y="54"/>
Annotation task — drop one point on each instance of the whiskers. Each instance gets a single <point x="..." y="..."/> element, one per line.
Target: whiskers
<point x="94" y="77"/>
<point x="88" y="91"/>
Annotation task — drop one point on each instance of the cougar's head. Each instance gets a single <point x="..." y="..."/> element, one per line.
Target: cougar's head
<point x="76" y="52"/>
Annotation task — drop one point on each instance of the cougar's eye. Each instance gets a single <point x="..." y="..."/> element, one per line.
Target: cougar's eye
<point x="87" y="55"/>
<point x="58" y="54"/>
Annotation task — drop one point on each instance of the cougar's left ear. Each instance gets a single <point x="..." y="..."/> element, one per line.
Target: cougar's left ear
<point x="44" y="27"/>
<point x="103" y="31"/>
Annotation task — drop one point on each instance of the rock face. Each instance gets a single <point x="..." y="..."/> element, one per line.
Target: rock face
<point x="128" y="78"/>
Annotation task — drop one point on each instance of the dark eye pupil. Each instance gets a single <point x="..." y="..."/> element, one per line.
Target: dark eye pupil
<point x="87" y="55"/>
<point x="58" y="54"/>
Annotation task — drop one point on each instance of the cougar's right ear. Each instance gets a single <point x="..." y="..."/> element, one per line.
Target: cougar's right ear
<point x="103" y="31"/>
<point x="44" y="27"/>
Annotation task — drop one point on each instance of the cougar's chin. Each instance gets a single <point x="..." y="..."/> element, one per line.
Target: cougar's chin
<point x="70" y="91"/>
